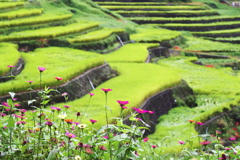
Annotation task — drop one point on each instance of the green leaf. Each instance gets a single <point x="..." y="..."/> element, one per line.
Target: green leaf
<point x="10" y="122"/>
<point x="52" y="154"/>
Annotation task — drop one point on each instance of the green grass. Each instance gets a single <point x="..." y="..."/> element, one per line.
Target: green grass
<point x="197" y="44"/>
<point x="9" y="56"/>
<point x="216" y="61"/>
<point x="131" y="3"/>
<point x="154" y="7"/>
<point x="201" y="79"/>
<point x="20" y="13"/>
<point x="132" y="52"/>
<point x="177" y="120"/>
<point x="138" y="79"/>
<point x="177" y="12"/>
<point x="218" y="32"/>
<point x="150" y="34"/>
<point x="60" y="62"/>
<point x="44" y="18"/>
<point x="49" y="32"/>
<point x="5" y="5"/>
<point x="186" y="19"/>
<point x="95" y="35"/>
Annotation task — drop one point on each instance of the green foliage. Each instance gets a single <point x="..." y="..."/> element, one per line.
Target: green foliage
<point x="155" y="7"/>
<point x="50" y="32"/>
<point x="5" y="5"/>
<point x="44" y="18"/>
<point x="216" y="32"/>
<point x="60" y="62"/>
<point x="132" y="52"/>
<point x="131" y="3"/>
<point x="20" y="13"/>
<point x="145" y="80"/>
<point x="151" y="34"/>
<point x="95" y="35"/>
<point x="197" y="44"/>
<point x="201" y="79"/>
<point x="9" y="56"/>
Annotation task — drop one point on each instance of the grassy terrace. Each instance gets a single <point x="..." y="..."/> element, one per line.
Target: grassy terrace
<point x="137" y="76"/>
<point x="95" y="35"/>
<point x="184" y="19"/>
<point x="155" y="7"/>
<point x="20" y="13"/>
<point x="50" y="32"/>
<point x="200" y="27"/>
<point x="5" y="5"/>
<point x="150" y="34"/>
<point x="132" y="3"/>
<point x="173" y="13"/>
<point x="224" y="39"/>
<point x="197" y="44"/>
<point x="60" y="62"/>
<point x="9" y="56"/>
<point x="219" y="33"/>
<point x="128" y="53"/>
<point x="44" y="18"/>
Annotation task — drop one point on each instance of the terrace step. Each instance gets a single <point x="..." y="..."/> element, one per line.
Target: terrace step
<point x="7" y="5"/>
<point x="199" y="27"/>
<point x="178" y="13"/>
<point x="50" y="32"/>
<point x="219" y="33"/>
<point x="163" y="20"/>
<point x="158" y="8"/>
<point x="20" y="13"/>
<point x="225" y="40"/>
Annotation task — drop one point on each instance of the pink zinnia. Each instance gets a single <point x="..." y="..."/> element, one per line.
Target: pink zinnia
<point x="154" y="146"/>
<point x="11" y="66"/>
<point x="64" y="94"/>
<point x="22" y="110"/>
<point x="232" y="138"/>
<point x="181" y="142"/>
<point x="41" y="69"/>
<point x="150" y="112"/>
<point x="106" y="137"/>
<point x="66" y="106"/>
<point x="71" y="135"/>
<point x="91" y="94"/>
<point x="30" y="82"/>
<point x="218" y="132"/>
<point x="199" y="123"/>
<point x="58" y="78"/>
<point x="205" y="143"/>
<point x="145" y="139"/>
<point x="55" y="108"/>
<point x="49" y="123"/>
<point x="93" y="121"/>
<point x="106" y="90"/>
<point x="141" y="111"/>
<point x="122" y="103"/>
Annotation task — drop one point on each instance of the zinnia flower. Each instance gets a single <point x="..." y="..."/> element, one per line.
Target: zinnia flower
<point x="78" y="114"/>
<point x="78" y="158"/>
<point x="106" y="90"/>
<point x="30" y="82"/>
<point x="64" y="94"/>
<point x="154" y="146"/>
<point x="91" y="94"/>
<point x="11" y="66"/>
<point x="66" y="107"/>
<point x="199" y="123"/>
<point x="93" y="121"/>
<point x="58" y="78"/>
<point x="122" y="103"/>
<point x="71" y="135"/>
<point x="69" y="121"/>
<point x="102" y="148"/>
<point x="232" y="138"/>
<point x="218" y="132"/>
<point x="204" y="143"/>
<point x="41" y="69"/>
<point x="82" y="126"/>
<point x="151" y="112"/>
<point x="49" y="123"/>
<point x="191" y="121"/>
<point x="181" y="142"/>
<point x="62" y="116"/>
<point x="145" y="139"/>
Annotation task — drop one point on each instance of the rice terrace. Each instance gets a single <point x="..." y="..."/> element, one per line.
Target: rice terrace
<point x="120" y="80"/>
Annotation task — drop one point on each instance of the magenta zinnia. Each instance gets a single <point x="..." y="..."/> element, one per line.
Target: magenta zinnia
<point x="11" y="66"/>
<point x="204" y="143"/>
<point x="41" y="69"/>
<point x="58" y="78"/>
<point x="122" y="103"/>
<point x="93" y="121"/>
<point x="106" y="90"/>
<point x="71" y="135"/>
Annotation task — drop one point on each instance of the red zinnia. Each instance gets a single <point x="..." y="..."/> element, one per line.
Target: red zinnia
<point x="58" y="78"/>
<point x="191" y="121"/>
